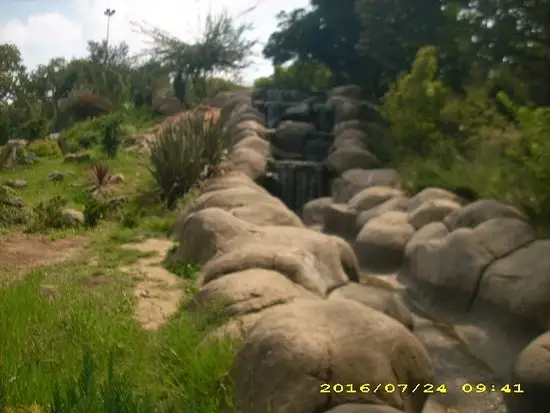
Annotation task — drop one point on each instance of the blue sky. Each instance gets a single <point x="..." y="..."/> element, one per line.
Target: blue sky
<point x="43" y="29"/>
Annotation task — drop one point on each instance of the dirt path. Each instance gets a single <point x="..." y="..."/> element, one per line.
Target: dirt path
<point x="454" y="365"/>
<point x="159" y="292"/>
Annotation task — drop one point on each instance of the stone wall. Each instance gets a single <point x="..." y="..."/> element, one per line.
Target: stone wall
<point x="291" y="287"/>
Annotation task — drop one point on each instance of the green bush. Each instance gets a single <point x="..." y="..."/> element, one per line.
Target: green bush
<point x="45" y="148"/>
<point x="413" y="107"/>
<point x="95" y="210"/>
<point x="182" y="152"/>
<point x="10" y="212"/>
<point x="467" y="143"/>
<point x="49" y="215"/>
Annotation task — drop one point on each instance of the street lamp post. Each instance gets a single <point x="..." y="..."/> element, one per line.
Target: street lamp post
<point x="109" y="13"/>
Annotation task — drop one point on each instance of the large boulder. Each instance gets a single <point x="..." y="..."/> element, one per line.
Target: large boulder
<point x="200" y="234"/>
<point x="398" y="203"/>
<point x="355" y="180"/>
<point x="381" y="243"/>
<point x="347" y="91"/>
<point x="244" y="112"/>
<point x="386" y="301"/>
<point x="267" y="213"/>
<point x="254" y="142"/>
<point x="431" y="194"/>
<point x="432" y="211"/>
<point x="519" y="282"/>
<point x="225" y="244"/>
<point x="355" y="124"/>
<point x="250" y="291"/>
<point x="371" y="197"/>
<point x="231" y="180"/>
<point x="290" y="136"/>
<point x="229" y="199"/>
<point x="313" y="212"/>
<point x="480" y="211"/>
<point x="233" y="105"/>
<point x="344" y="108"/>
<point x="531" y="374"/>
<point x="350" y="157"/>
<point x="246" y="128"/>
<point x="435" y="230"/>
<point x="349" y="137"/>
<point x="340" y="220"/>
<point x="452" y="266"/>
<point x="297" y="350"/>
<point x="251" y="163"/>
<point x="317" y="262"/>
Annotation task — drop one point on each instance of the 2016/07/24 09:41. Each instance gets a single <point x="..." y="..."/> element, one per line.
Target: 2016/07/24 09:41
<point x="379" y="388"/>
<point x="491" y="388"/>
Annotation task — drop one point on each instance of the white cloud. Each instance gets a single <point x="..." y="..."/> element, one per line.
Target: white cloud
<point x="65" y="32"/>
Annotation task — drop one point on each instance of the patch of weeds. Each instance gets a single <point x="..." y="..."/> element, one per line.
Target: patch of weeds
<point x="49" y="215"/>
<point x="186" y="270"/>
<point x="173" y="370"/>
<point x="88" y="393"/>
<point x="129" y="218"/>
<point x="45" y="148"/>
<point x="94" y="211"/>
<point x="159" y="225"/>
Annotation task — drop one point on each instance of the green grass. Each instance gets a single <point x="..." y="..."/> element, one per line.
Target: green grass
<point x="39" y="188"/>
<point x="82" y="351"/>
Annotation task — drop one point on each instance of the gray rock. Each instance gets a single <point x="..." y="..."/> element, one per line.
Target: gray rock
<point x="355" y="180"/>
<point x="16" y="183"/>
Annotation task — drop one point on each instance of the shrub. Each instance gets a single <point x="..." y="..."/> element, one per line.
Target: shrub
<point x="413" y="106"/>
<point x="49" y="215"/>
<point x="181" y="153"/>
<point x="94" y="211"/>
<point x="80" y="135"/>
<point x="529" y="157"/>
<point x="11" y="213"/>
<point x="45" y="148"/>
<point x="129" y="218"/>
<point x="112" y="134"/>
<point x="87" y="141"/>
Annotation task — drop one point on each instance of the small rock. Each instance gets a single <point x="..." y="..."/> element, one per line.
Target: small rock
<point x="117" y="179"/>
<point x="16" y="183"/>
<point x="73" y="217"/>
<point x="77" y="157"/>
<point x="56" y="176"/>
<point x="50" y="291"/>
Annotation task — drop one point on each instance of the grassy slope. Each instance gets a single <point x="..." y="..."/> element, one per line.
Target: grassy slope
<point x="42" y="341"/>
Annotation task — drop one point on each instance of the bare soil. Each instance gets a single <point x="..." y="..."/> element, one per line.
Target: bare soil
<point x="158" y="292"/>
<point x="21" y="253"/>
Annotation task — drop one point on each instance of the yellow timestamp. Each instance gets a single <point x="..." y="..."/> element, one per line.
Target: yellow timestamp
<point x="382" y="388"/>
<point x="491" y="388"/>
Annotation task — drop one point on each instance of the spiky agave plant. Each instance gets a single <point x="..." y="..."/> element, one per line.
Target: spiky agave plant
<point x="177" y="160"/>
<point x="99" y="178"/>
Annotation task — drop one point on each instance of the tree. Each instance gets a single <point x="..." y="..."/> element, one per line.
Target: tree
<point x="328" y="34"/>
<point x="11" y="67"/>
<point x="301" y="75"/>
<point x="221" y="49"/>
